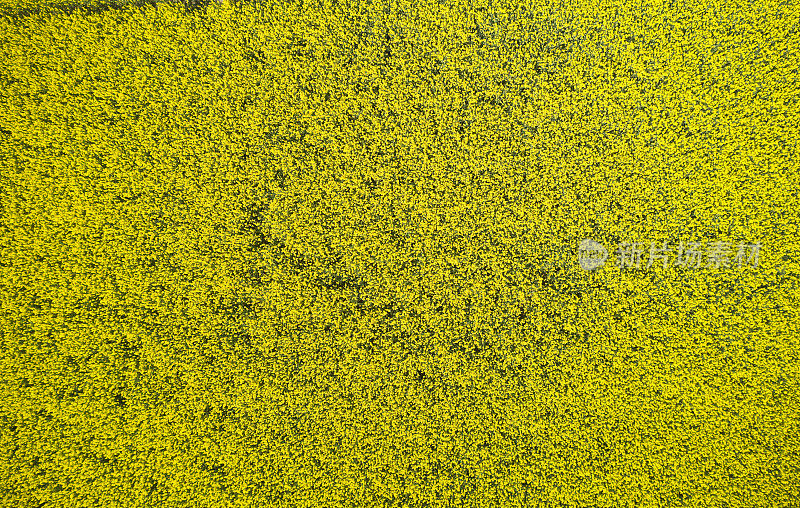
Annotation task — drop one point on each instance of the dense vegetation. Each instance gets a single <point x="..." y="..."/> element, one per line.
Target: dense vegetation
<point x="302" y="254"/>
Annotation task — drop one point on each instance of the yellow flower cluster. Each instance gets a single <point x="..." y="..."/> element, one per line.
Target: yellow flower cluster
<point x="327" y="254"/>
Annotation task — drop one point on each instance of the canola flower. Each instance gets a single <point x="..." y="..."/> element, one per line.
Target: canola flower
<point x="326" y="254"/>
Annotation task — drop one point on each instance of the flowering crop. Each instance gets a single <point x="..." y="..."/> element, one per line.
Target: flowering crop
<point x="327" y="254"/>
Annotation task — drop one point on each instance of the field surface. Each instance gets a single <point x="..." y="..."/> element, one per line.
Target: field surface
<point x="332" y="254"/>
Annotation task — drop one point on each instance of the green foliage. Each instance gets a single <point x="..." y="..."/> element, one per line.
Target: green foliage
<point x="324" y="254"/>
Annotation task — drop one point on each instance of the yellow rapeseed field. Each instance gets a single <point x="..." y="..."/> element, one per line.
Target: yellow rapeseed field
<point x="393" y="253"/>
